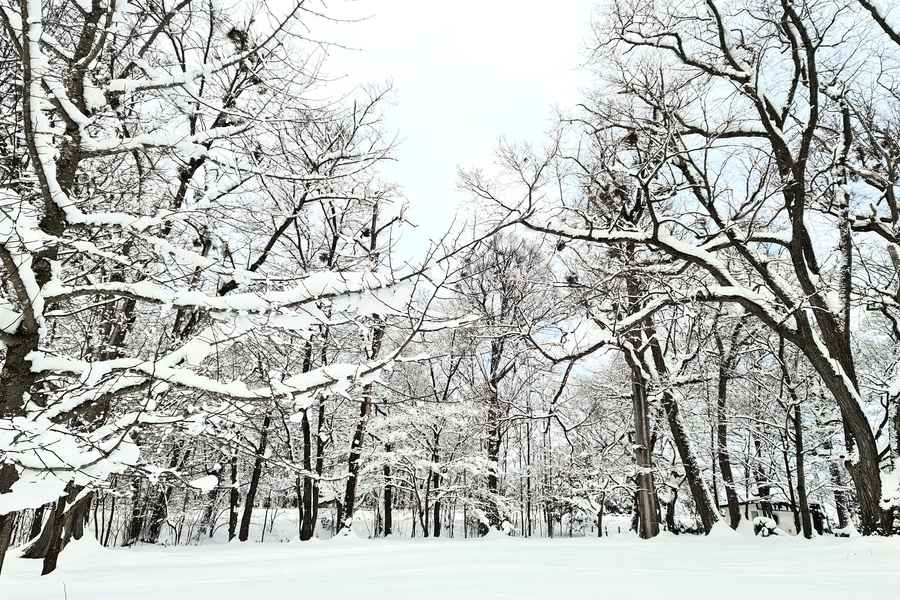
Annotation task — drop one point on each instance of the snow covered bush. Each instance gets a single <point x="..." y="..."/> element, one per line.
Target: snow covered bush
<point x="764" y="527"/>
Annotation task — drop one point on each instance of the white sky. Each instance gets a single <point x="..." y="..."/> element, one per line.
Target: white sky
<point x="465" y="73"/>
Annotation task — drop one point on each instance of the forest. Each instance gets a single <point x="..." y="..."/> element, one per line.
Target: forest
<point x="676" y="316"/>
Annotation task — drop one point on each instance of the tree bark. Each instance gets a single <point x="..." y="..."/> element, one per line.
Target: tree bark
<point x="494" y="437"/>
<point x="310" y="502"/>
<point x="39" y="546"/>
<point x="353" y="461"/>
<point x="841" y="503"/>
<point x="244" y="532"/>
<point x="709" y="515"/>
<point x="160" y="511"/>
<point x="136" y="521"/>
<point x="734" y="507"/>
<point x="436" y="520"/>
<point x="365" y="411"/>
<point x="7" y="524"/>
<point x="647" y="525"/>
<point x="726" y="362"/>
<point x="805" y="519"/>
<point x="37" y="521"/>
<point x="233" y="499"/>
<point x="388" y="496"/>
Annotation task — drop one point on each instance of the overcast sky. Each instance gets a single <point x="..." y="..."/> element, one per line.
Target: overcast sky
<point x="465" y="73"/>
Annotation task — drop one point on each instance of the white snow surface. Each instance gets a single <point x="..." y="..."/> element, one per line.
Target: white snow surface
<point x="733" y="567"/>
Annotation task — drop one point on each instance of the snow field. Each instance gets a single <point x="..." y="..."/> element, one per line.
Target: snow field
<point x="724" y="566"/>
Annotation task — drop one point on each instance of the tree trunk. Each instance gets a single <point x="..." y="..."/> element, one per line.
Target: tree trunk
<point x="388" y="496"/>
<point x="354" y="459"/>
<point x="841" y="504"/>
<point x="670" y="513"/>
<point x="136" y="522"/>
<point x="307" y="498"/>
<point x="436" y="520"/>
<point x="805" y="520"/>
<point x="734" y="507"/>
<point x="7" y="523"/>
<point x="37" y="521"/>
<point x="862" y="461"/>
<point x="244" y="532"/>
<point x="494" y="436"/>
<point x="528" y="472"/>
<point x="109" y="521"/>
<point x="709" y="515"/>
<point x="160" y="510"/>
<point x="763" y="487"/>
<point x="233" y="499"/>
<point x="365" y="411"/>
<point x="39" y="546"/>
<point x="792" y="498"/>
<point x="647" y="525"/>
<point x="897" y="431"/>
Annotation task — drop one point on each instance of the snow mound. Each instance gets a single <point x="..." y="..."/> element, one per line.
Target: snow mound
<point x="346" y="537"/>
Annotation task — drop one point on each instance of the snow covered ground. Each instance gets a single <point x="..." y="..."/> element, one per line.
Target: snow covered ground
<point x="725" y="567"/>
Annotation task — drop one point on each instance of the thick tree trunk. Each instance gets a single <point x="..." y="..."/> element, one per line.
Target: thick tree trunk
<point x="136" y="522"/>
<point x="307" y="485"/>
<point x="16" y="376"/>
<point x="647" y="525"/>
<point x="78" y="515"/>
<point x="37" y="521"/>
<point x="436" y="520"/>
<point x="494" y="435"/>
<point x="354" y="459"/>
<point x="734" y="507"/>
<point x="39" y="546"/>
<point x="244" y="532"/>
<point x="862" y="461"/>
<point x="307" y="499"/>
<point x="709" y="515"/>
<point x="7" y="524"/>
<point x="312" y="517"/>
<point x="8" y="476"/>
<point x="160" y="511"/>
<point x="65" y="522"/>
<point x="160" y="514"/>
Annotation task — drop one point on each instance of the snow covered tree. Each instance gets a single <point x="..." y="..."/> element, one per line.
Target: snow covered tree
<point x="159" y="168"/>
<point x="742" y="156"/>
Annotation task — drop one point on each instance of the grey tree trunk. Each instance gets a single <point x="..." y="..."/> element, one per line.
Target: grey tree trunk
<point x="647" y="524"/>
